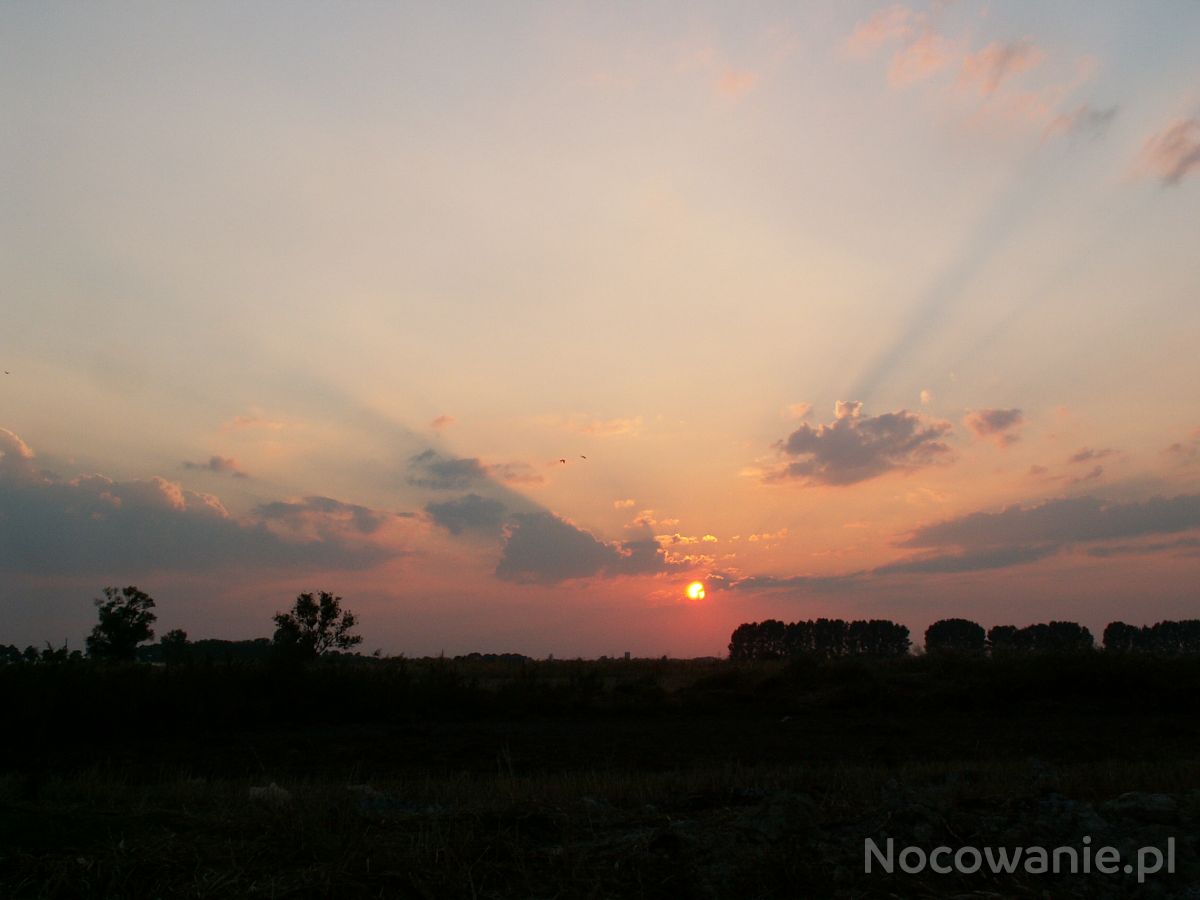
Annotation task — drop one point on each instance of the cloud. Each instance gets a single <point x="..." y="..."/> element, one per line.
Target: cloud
<point x="94" y="524"/>
<point x="253" y="420"/>
<point x="856" y="448"/>
<point x="219" y="464"/>
<point x="1060" y="522"/>
<point x="515" y="473"/>
<point x="1086" y="454"/>
<point x="624" y="504"/>
<point x="1182" y="546"/>
<point x="318" y="512"/>
<point x="542" y="548"/>
<point x="888" y="24"/>
<point x="1174" y="153"/>
<point x="598" y="427"/>
<point x="733" y="83"/>
<point x="989" y="67"/>
<point x="441" y="422"/>
<point x="972" y="561"/>
<point x="1094" y="473"/>
<point x="430" y="469"/>
<point x="800" y="410"/>
<point x="469" y="513"/>
<point x="998" y="425"/>
<point x="1083" y="121"/>
<point x="921" y="58"/>
<point x="926" y="398"/>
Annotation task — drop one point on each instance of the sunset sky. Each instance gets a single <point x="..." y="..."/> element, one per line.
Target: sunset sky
<point x="854" y="310"/>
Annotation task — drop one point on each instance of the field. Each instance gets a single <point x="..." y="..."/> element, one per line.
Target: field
<point x="643" y="778"/>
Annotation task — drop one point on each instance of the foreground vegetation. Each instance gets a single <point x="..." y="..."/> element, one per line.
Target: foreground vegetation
<point x="501" y="777"/>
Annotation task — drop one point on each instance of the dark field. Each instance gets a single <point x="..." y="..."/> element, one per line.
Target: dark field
<point x="437" y="778"/>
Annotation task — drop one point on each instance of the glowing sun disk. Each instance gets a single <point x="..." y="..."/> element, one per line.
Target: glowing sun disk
<point x="695" y="591"/>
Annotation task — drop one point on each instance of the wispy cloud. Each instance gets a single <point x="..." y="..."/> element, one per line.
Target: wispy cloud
<point x="1174" y="153"/>
<point x="997" y="425"/>
<point x="222" y="465"/>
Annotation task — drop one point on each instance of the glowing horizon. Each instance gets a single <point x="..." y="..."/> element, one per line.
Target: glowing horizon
<point x="509" y="331"/>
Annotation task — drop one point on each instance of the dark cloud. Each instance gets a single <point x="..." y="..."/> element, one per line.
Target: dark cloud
<point x="1062" y="521"/>
<point x="1174" y="152"/>
<point x="444" y="473"/>
<point x="973" y="561"/>
<point x="317" y="509"/>
<point x="856" y="448"/>
<point x="95" y="524"/>
<point x="469" y="513"/>
<point x="995" y="424"/>
<point x="1086" y="454"/>
<point x="542" y="548"/>
<point x="1017" y="536"/>
<point x="1184" y="546"/>
<point x="220" y="464"/>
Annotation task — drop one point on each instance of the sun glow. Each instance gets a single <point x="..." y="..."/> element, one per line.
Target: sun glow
<point x="695" y="590"/>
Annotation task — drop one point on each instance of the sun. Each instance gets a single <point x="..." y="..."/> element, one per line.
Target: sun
<point x="695" y="590"/>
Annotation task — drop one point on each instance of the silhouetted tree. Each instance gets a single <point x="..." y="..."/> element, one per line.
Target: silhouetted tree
<point x="1003" y="639"/>
<point x="822" y="638"/>
<point x="1122" y="638"/>
<point x="175" y="646"/>
<point x="125" y="620"/>
<point x="955" y="636"/>
<point x="315" y="625"/>
<point x="877" y="637"/>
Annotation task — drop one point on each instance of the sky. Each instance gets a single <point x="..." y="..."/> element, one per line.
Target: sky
<point x="507" y="322"/>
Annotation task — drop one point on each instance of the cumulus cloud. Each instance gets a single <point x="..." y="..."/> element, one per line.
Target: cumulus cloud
<point x="543" y="548"/>
<point x="222" y="465"/>
<point x="95" y="524"/>
<point x="1174" y="153"/>
<point x="999" y="425"/>
<point x="432" y="470"/>
<point x="856" y="448"/>
<point x="469" y="513"/>
<point x="624" y="504"/>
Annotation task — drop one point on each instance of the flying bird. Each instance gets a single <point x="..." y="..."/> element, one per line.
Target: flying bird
<point x="581" y="456"/>
<point x="562" y="461"/>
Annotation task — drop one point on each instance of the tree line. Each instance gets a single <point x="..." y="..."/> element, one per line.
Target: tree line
<point x="836" y="638"/>
<point x="316" y="625"/>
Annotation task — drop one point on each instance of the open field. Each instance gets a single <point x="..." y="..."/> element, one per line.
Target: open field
<point x="437" y="778"/>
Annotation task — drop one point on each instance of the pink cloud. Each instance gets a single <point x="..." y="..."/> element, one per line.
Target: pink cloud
<point x="921" y="58"/>
<point x="1174" y="153"/>
<point x="733" y="83"/>
<point x="442" y="422"/>
<point x="990" y="67"/>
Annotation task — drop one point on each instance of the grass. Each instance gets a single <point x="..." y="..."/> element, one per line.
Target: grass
<point x="649" y="779"/>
